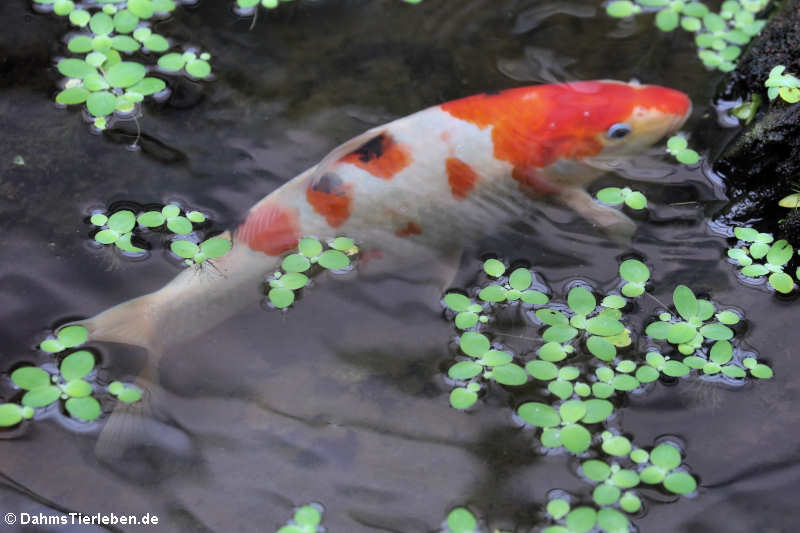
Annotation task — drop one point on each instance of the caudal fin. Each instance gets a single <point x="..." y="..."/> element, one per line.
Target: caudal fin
<point x="132" y="322"/>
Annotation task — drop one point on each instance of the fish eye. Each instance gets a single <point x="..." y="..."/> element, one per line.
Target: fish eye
<point x="618" y="131"/>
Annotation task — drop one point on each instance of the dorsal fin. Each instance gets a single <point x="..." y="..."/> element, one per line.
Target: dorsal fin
<point x="343" y="149"/>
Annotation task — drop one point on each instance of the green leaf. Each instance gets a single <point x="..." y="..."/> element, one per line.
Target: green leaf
<point x="77" y="365"/>
<point x="185" y="249"/>
<point x="75" y="68"/>
<point x="464" y="370"/>
<point x="714" y="22"/>
<point x="597" y="410"/>
<point x="728" y="317"/>
<point x="685" y="302"/>
<point x="41" y="396"/>
<point x="576" y="439"/>
<point x="559" y="333"/>
<point x="461" y="520"/>
<point x="539" y="415"/>
<point x="151" y="219"/>
<point x="542" y="370"/>
<point x="557" y="508"/>
<point x="781" y="282"/>
<point x="745" y="234"/>
<point x="677" y="143"/>
<point x="72" y="96"/>
<point x="667" y="20"/>
<point x="562" y="389"/>
<point x="495" y="358"/>
<point x="141" y="8"/>
<point x="295" y="263"/>
<point x="342" y="244"/>
<point x="216" y="247"/>
<point x="101" y="103"/>
<point x="612" y="521"/>
<point x="461" y="398"/>
<point x="125" y="21"/>
<point x="101" y="24"/>
<point x="624" y="382"/>
<point x="604" y="326"/>
<point x="493" y="293"/>
<point x="552" y="317"/>
<point x="581" y="520"/>
<point x="122" y="221"/>
<point x="125" y="74"/>
<point x="601" y="348"/>
<point x="534" y="297"/>
<point x="292" y="280"/>
<point x="581" y="301"/>
<point x="665" y="456"/>
<point x="688" y="157"/>
<point x="610" y="195"/>
<point x="791" y="201"/>
<point x="634" y="271"/>
<point x="494" y="268"/>
<point x="630" y="503"/>
<point x="675" y="369"/>
<point x="632" y="290"/>
<point x="613" y="301"/>
<point x="86" y="409"/>
<point x="606" y="494"/>
<point x="646" y="374"/>
<point x="77" y="388"/>
<point x="12" y="414"/>
<point x="754" y="270"/>
<point x="761" y="371"/>
<point x="510" y="374"/>
<point x="79" y="17"/>
<point x="198" y="68"/>
<point x="106" y="236"/>
<point x="780" y="253"/>
<point x="691" y="24"/>
<point x="171" y="62"/>
<point x="80" y="44"/>
<point x="717" y="332"/>
<point x="310" y="247"/>
<point x="474" y="344"/>
<point x="596" y="470"/>
<point x="622" y="8"/>
<point x="281" y="297"/>
<point x="636" y="200"/>
<point x="455" y="301"/>
<point x="721" y="352"/>
<point x="625" y="478"/>
<point x="520" y="279"/>
<point x="156" y="43"/>
<point x="333" y="260"/>
<point x="680" y="483"/>
<point x="30" y="377"/>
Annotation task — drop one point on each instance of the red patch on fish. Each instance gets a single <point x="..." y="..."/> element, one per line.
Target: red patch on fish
<point x="461" y="177"/>
<point x="382" y="157"/>
<point x="270" y="228"/>
<point x="536" y="126"/>
<point x="335" y="203"/>
<point x="412" y="228"/>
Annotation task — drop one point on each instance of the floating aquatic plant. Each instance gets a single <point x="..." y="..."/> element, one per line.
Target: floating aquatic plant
<point x="212" y="248"/>
<point x="719" y="36"/>
<point x="787" y="86"/>
<point x="115" y="54"/>
<point x="71" y="381"/>
<point x="617" y="196"/>
<point x="679" y="147"/>
<point x="747" y="110"/>
<point x="755" y="246"/>
<point x="291" y="276"/>
<point x="306" y="519"/>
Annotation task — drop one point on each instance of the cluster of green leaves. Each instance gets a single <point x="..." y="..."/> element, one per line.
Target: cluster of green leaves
<point x="291" y="276"/>
<point x="719" y="36"/>
<point x="615" y="484"/>
<point x="707" y="346"/>
<point x="747" y="110"/>
<point x="119" y="229"/>
<point x="306" y="519"/>
<point x="786" y="86"/>
<point x="107" y="31"/>
<point x="679" y="147"/>
<point x="754" y="246"/>
<point x="617" y="196"/>
<point x="71" y="380"/>
<point x="249" y="5"/>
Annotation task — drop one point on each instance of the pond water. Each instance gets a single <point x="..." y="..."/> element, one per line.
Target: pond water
<point x="342" y="400"/>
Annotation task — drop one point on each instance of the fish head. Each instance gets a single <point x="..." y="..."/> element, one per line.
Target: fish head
<point x="620" y="119"/>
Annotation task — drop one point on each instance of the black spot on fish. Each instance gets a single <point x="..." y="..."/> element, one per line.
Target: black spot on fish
<point x="374" y="148"/>
<point x="327" y="183"/>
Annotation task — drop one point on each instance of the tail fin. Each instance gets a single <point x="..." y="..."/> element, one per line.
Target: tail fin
<point x="132" y="322"/>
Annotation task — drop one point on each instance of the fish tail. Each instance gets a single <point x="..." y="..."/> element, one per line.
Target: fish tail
<point x="132" y="322"/>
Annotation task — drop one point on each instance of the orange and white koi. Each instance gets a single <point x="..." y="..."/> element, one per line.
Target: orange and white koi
<point x="422" y="182"/>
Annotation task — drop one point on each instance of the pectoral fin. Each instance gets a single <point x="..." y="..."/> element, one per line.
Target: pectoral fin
<point x="613" y="222"/>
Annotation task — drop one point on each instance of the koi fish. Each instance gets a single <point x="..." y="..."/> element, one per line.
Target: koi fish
<point x="419" y="185"/>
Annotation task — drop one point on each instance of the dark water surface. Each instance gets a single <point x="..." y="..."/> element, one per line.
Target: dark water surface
<point x="342" y="401"/>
